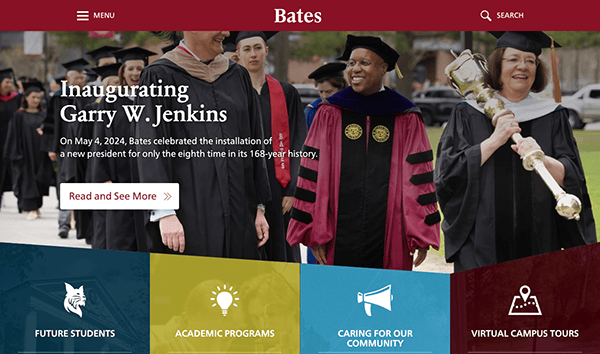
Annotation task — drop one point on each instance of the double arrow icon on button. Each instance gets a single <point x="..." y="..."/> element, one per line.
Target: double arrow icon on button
<point x="167" y="196"/>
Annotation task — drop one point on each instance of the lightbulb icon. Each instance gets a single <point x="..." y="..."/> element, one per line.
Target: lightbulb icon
<point x="224" y="298"/>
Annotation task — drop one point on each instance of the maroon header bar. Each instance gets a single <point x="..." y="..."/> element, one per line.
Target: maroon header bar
<point x="308" y="15"/>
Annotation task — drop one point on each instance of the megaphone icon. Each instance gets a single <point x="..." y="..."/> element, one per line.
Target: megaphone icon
<point x="382" y="297"/>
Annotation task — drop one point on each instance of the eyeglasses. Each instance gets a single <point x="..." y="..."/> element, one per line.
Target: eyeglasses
<point x="530" y="62"/>
<point x="362" y="63"/>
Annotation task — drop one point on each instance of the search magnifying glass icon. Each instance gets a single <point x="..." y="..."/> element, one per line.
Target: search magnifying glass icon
<point x="485" y="15"/>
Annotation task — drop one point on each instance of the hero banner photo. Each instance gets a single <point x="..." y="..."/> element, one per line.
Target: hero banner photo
<point x="242" y="181"/>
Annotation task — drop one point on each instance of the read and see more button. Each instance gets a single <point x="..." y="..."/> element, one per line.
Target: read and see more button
<point x="119" y="196"/>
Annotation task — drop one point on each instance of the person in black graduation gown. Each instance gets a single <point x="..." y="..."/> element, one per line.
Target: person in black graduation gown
<point x="30" y="166"/>
<point x="104" y="55"/>
<point x="110" y="77"/>
<point x="119" y="224"/>
<point x="218" y="214"/>
<point x="495" y="210"/>
<point x="329" y="80"/>
<point x="55" y="128"/>
<point x="10" y="101"/>
<point x="230" y="51"/>
<point x="76" y="167"/>
<point x="280" y="104"/>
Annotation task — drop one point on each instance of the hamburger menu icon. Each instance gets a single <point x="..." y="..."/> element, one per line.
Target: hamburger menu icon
<point x="525" y="304"/>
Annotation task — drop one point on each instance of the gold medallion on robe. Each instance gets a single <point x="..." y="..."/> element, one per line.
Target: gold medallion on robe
<point x="353" y="131"/>
<point x="381" y="133"/>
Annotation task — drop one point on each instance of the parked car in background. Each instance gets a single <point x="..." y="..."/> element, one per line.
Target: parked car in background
<point x="308" y="93"/>
<point x="583" y="106"/>
<point x="436" y="103"/>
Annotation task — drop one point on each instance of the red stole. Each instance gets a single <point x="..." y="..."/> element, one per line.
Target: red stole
<point x="280" y="130"/>
<point x="10" y="96"/>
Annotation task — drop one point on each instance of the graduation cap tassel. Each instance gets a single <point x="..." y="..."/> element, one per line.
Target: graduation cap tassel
<point x="398" y="72"/>
<point x="555" y="78"/>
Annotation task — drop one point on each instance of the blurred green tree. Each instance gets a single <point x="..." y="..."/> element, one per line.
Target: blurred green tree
<point x="331" y="45"/>
<point x="81" y="39"/>
<point x="577" y="39"/>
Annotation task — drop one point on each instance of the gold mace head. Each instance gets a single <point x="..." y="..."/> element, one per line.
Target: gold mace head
<point x="466" y="73"/>
<point x="568" y="206"/>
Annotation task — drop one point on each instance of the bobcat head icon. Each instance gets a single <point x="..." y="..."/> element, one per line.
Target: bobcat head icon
<point x="73" y="299"/>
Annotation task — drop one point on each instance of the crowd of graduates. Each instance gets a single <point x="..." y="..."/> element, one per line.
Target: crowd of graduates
<point x="34" y="157"/>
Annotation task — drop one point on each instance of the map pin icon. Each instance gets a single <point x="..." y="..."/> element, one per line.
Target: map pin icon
<point x="525" y="291"/>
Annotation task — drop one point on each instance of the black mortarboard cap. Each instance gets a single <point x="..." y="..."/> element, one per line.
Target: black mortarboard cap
<point x="103" y="52"/>
<point x="90" y="75"/>
<point x="34" y="85"/>
<point x="229" y="47"/>
<point x="265" y="35"/>
<point x="232" y="38"/>
<point x="375" y="44"/>
<point x="107" y="70"/>
<point x="169" y="48"/>
<point x="173" y="36"/>
<point x="135" y="53"/>
<point x="527" y="41"/>
<point x="77" y="65"/>
<point x="6" y="74"/>
<point x="328" y="70"/>
<point x="59" y="77"/>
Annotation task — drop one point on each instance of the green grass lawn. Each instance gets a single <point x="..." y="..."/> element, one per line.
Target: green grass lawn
<point x="589" y="149"/>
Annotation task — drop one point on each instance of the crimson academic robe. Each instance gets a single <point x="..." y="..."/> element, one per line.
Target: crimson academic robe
<point x="218" y="195"/>
<point x="367" y="194"/>
<point x="8" y="105"/>
<point x="500" y="211"/>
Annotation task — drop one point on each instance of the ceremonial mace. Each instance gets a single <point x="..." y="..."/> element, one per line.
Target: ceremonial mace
<point x="466" y="75"/>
